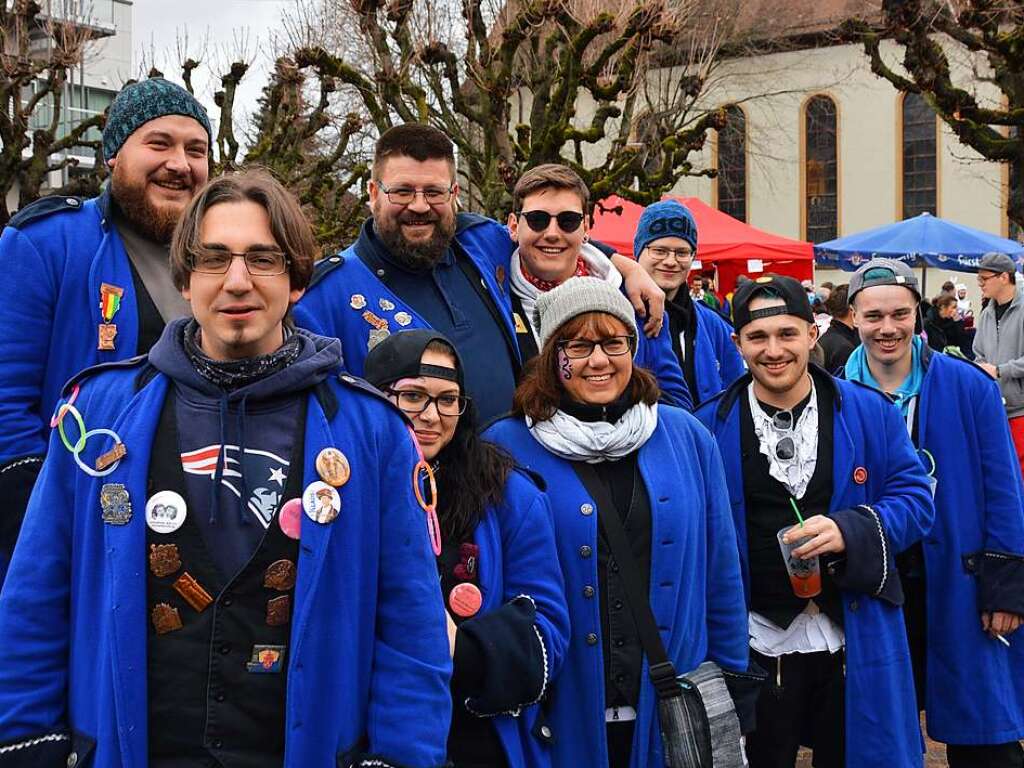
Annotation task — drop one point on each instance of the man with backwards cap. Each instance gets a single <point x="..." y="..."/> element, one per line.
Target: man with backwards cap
<point x="87" y="281"/>
<point x="999" y="338"/>
<point x="665" y="244"/>
<point x="965" y="582"/>
<point x="828" y="462"/>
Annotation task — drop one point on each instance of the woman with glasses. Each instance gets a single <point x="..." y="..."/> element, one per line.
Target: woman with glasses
<point x="507" y="620"/>
<point x="587" y="419"/>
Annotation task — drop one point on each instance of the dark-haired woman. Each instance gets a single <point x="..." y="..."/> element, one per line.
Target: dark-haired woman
<point x="583" y="406"/>
<point x="500" y="578"/>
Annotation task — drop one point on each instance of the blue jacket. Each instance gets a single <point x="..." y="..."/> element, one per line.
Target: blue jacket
<point x="56" y="253"/>
<point x="518" y="559"/>
<point x="974" y="556"/>
<point x="369" y="656"/>
<point x="881" y="712"/>
<point x="717" y="362"/>
<point x="696" y="590"/>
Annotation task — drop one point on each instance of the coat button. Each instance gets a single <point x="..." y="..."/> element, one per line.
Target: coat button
<point x="381" y="273"/>
<point x="585" y="551"/>
<point x="587" y="509"/>
<point x="72" y="760"/>
<point x="334" y="259"/>
<point x="74" y="204"/>
<point x="588" y="591"/>
<point x="545" y="732"/>
<point x="225" y="649"/>
<point x="217" y="744"/>
<point x="591" y="639"/>
<point x="219" y="697"/>
<point x="618" y="605"/>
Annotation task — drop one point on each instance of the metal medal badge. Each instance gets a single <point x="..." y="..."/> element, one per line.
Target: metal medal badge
<point x="110" y="303"/>
<point x="116" y="504"/>
<point x="266" y="659"/>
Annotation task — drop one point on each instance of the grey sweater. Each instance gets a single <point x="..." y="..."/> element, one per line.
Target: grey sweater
<point x="1001" y="343"/>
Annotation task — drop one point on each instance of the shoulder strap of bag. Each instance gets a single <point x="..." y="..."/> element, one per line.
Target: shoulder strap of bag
<point x="660" y="669"/>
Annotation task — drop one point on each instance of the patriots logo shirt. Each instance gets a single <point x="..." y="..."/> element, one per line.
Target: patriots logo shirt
<point x="265" y="475"/>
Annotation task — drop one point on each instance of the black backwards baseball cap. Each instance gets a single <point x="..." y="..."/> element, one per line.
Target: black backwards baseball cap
<point x="881" y="271"/>
<point x="771" y="286"/>
<point x="398" y="357"/>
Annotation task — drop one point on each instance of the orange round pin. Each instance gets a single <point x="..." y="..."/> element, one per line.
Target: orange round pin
<point x="860" y="475"/>
<point x="465" y="600"/>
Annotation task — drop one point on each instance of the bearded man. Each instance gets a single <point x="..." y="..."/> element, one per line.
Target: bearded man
<point x="420" y="264"/>
<point x="87" y="281"/>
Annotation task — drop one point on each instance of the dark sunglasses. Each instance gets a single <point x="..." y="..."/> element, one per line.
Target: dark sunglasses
<point x="538" y="221"/>
<point x="785" y="449"/>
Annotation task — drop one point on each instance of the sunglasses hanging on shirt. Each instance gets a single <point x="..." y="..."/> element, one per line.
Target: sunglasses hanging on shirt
<point x="538" y="221"/>
<point x="785" y="449"/>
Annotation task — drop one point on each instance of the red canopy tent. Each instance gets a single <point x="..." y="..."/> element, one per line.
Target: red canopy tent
<point x="725" y="244"/>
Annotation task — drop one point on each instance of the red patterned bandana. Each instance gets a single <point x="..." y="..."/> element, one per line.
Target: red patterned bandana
<point x="545" y="285"/>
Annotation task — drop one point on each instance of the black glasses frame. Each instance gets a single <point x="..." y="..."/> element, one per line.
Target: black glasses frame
<point x="430" y="196"/>
<point x="397" y="393"/>
<point x="538" y="221"/>
<point x="592" y="345"/>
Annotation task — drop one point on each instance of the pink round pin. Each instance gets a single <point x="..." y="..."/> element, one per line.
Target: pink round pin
<point x="290" y="518"/>
<point x="465" y="600"/>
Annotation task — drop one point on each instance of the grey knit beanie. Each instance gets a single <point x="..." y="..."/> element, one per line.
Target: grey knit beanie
<point x="147" y="100"/>
<point x="577" y="296"/>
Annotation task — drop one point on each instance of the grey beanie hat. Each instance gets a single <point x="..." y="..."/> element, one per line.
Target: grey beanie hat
<point x="147" y="100"/>
<point x="577" y="296"/>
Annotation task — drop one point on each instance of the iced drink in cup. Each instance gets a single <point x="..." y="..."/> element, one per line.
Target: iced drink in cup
<point x="804" y="575"/>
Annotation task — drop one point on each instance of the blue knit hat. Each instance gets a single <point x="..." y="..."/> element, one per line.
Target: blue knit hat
<point x="147" y="100"/>
<point x="667" y="218"/>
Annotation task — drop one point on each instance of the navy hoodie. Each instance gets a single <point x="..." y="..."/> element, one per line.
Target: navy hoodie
<point x="258" y="424"/>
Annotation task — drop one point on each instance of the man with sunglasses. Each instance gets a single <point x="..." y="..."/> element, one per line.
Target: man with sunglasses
<point x="548" y="225"/>
<point x="964" y="584"/>
<point x="420" y="264"/>
<point x="823" y="470"/>
<point x="665" y="244"/>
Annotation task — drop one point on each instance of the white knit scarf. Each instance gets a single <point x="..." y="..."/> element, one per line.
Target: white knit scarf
<point x="595" y="441"/>
<point x="600" y="266"/>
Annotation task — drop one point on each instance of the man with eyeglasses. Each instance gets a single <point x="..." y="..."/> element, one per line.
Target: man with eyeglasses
<point x="964" y="583"/>
<point x="420" y="264"/>
<point x="86" y="281"/>
<point x="665" y="244"/>
<point x="999" y="338"/>
<point x="825" y="488"/>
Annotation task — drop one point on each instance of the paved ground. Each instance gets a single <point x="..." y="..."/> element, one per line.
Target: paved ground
<point x="936" y="757"/>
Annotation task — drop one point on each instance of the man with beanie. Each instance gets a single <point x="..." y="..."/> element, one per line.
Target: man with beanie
<point x="665" y="244"/>
<point x="999" y="338"/>
<point x="964" y="583"/>
<point x="86" y="281"/>
<point x="826" y="488"/>
<point x="230" y="568"/>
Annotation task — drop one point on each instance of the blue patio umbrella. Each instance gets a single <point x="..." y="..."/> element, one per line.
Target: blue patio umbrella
<point x="923" y="241"/>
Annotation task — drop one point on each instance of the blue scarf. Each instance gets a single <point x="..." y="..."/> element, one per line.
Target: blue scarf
<point x="857" y="370"/>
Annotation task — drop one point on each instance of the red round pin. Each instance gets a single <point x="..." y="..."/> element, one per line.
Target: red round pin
<point x="860" y="475"/>
<point x="290" y="518"/>
<point x="465" y="600"/>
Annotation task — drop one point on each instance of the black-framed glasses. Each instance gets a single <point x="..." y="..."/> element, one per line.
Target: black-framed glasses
<point x="538" y="221"/>
<point x="259" y="262"/>
<point x="406" y="195"/>
<point x="660" y="254"/>
<point x="413" y="401"/>
<point x="674" y="225"/>
<point x="613" y="346"/>
<point x="785" y="449"/>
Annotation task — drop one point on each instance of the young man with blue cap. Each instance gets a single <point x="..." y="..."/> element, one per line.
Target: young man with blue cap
<point x="87" y="281"/>
<point x="964" y="582"/>
<point x="665" y="244"/>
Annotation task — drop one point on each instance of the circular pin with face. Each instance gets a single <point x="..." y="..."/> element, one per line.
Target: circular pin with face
<point x="289" y="518"/>
<point x="165" y="512"/>
<point x="321" y="502"/>
<point x="358" y="301"/>
<point x="333" y="467"/>
<point x="403" y="318"/>
<point x="465" y="600"/>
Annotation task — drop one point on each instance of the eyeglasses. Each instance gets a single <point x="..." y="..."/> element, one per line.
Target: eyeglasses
<point x="675" y="224"/>
<point x="538" y="221"/>
<point x="613" y="346"/>
<point x="982" y="279"/>
<point x="660" y="254"/>
<point x="413" y="401"/>
<point x="785" y="449"/>
<point x="406" y="195"/>
<point x="260" y="262"/>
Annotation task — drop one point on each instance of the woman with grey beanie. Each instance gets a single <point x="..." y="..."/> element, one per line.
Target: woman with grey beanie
<point x="640" y="508"/>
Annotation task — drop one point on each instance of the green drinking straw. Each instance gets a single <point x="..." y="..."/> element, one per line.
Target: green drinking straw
<point x="799" y="517"/>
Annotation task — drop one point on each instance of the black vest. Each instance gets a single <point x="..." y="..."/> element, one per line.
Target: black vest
<point x="769" y="510"/>
<point x="217" y="684"/>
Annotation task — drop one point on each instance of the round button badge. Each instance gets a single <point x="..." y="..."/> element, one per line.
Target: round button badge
<point x="289" y="518"/>
<point x="333" y="467"/>
<point x="165" y="512"/>
<point x="465" y="600"/>
<point x="321" y="502"/>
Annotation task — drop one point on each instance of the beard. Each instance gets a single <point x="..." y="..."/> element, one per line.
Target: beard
<point x="421" y="255"/>
<point x="156" y="222"/>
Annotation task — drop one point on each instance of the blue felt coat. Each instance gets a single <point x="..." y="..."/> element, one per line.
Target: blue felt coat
<point x="696" y="591"/>
<point x="717" y="362"/>
<point x="869" y="438"/>
<point x="518" y="558"/>
<point x="56" y="253"/>
<point x="974" y="556"/>
<point x="369" y="656"/>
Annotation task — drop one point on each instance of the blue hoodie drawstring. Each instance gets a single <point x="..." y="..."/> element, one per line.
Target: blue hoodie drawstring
<point x="218" y="472"/>
<point x="243" y="500"/>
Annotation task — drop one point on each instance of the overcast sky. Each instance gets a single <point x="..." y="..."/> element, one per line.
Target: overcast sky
<point x="159" y="24"/>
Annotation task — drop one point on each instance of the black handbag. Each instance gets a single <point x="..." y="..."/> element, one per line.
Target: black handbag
<point x="696" y="714"/>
